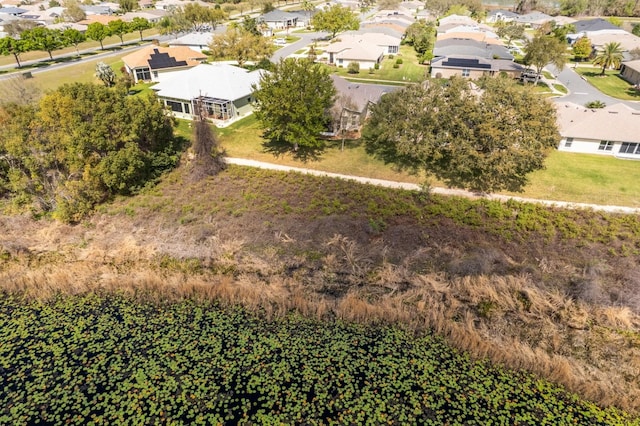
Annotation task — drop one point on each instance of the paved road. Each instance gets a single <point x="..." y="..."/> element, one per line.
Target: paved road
<point x="305" y="39"/>
<point x="581" y="92"/>
<point x="443" y="191"/>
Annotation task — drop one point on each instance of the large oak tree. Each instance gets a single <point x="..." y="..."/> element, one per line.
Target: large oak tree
<point x="484" y="139"/>
<point x="335" y="19"/>
<point x="292" y="102"/>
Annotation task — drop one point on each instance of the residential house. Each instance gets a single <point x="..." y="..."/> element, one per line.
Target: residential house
<point x="67" y="25"/>
<point x="13" y="11"/>
<point x="379" y="30"/>
<point x="468" y="47"/>
<point x="147" y="63"/>
<point x="612" y="130"/>
<point x="279" y="19"/>
<point x="391" y="45"/>
<point x="103" y="19"/>
<point x="630" y="71"/>
<point x="457" y="19"/>
<point x="224" y="90"/>
<point x="466" y="28"/>
<point x="479" y="36"/>
<point x="600" y="32"/>
<point x="98" y="10"/>
<point x="197" y="41"/>
<point x="353" y="101"/>
<point x="473" y="67"/>
<point x="500" y="15"/>
<point x="152" y="15"/>
<point x="533" y="19"/>
<point x="364" y="53"/>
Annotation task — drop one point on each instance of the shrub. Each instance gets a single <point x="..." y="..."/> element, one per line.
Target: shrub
<point x="399" y="61"/>
<point x="353" y="68"/>
<point x="376" y="66"/>
<point x="396" y="66"/>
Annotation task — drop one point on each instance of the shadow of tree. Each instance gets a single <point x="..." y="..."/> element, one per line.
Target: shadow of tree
<point x="303" y="153"/>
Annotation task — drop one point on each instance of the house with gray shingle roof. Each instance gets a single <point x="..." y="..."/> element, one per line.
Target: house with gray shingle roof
<point x="473" y="67"/>
<point x="278" y="19"/>
<point x="468" y="47"/>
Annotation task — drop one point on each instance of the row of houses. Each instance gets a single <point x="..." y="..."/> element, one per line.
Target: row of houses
<point x="470" y="49"/>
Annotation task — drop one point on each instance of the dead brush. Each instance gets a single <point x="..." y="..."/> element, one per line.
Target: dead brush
<point x="351" y="255"/>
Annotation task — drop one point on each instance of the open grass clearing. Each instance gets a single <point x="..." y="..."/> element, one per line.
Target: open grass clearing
<point x="610" y="84"/>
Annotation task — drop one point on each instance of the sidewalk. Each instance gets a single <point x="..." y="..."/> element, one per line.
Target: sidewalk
<point x="442" y="191"/>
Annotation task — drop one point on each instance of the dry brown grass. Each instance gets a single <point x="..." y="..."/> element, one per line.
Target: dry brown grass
<point x="493" y="303"/>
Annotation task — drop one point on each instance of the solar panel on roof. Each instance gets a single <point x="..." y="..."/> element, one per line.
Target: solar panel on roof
<point x="465" y="63"/>
<point x="163" y="60"/>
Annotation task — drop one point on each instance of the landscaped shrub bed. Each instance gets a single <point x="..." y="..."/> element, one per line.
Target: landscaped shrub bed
<point x="107" y="359"/>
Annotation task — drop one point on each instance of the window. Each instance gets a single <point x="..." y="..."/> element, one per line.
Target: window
<point x="174" y="106"/>
<point x="568" y="142"/>
<point x="143" y="74"/>
<point x="630" y="148"/>
<point x="605" y="146"/>
<point x="466" y="72"/>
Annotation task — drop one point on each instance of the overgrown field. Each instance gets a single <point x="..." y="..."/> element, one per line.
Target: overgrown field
<point x="112" y="360"/>
<point x="553" y="292"/>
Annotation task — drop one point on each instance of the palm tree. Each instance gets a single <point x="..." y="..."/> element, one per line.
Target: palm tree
<point x="610" y="56"/>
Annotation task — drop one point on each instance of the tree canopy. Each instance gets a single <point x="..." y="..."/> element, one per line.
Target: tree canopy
<point x="292" y="102"/>
<point x="609" y="57"/>
<point x="545" y="49"/>
<point x="44" y="39"/>
<point x="12" y="46"/>
<point x="335" y="19"/>
<point x="80" y="145"/>
<point x="421" y="35"/>
<point x="582" y="48"/>
<point x="483" y="139"/>
<point x="97" y="32"/>
<point x="241" y="45"/>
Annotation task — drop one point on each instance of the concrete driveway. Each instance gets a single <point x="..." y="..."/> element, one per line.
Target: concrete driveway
<point x="581" y="92"/>
<point x="305" y="40"/>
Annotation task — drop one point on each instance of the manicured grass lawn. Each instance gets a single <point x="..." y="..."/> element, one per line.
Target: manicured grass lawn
<point x="408" y="71"/>
<point x="579" y="178"/>
<point x="586" y="178"/>
<point x="611" y="84"/>
<point x="82" y="73"/>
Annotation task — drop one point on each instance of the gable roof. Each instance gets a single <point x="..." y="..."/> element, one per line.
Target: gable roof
<point x="533" y="17"/>
<point x="475" y="36"/>
<point x="379" y="30"/>
<point x="169" y="56"/>
<point x="278" y="15"/>
<point x="378" y="39"/>
<point x="617" y="122"/>
<point x="217" y="80"/>
<point x="634" y="65"/>
<point x="464" y="46"/>
<point x="596" y="24"/>
<point x="457" y="19"/>
<point x="475" y="63"/>
<point x="360" y="94"/>
<point x="356" y="50"/>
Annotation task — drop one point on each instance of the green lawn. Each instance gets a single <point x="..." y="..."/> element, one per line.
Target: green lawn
<point x="611" y="84"/>
<point x="569" y="177"/>
<point x="586" y="178"/>
<point x="408" y="71"/>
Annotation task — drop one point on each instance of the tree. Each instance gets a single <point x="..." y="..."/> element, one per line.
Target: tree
<point x="486" y="142"/>
<point x="12" y="46"/>
<point x="421" y="35"/>
<point x="292" y="103"/>
<point x="44" y="39"/>
<point x="582" y="48"/>
<point x="335" y="19"/>
<point x="573" y="7"/>
<point x="80" y="145"/>
<point x="106" y="74"/>
<point x="127" y="5"/>
<point x="73" y="12"/>
<point x="609" y="57"/>
<point x="97" y="32"/>
<point x="542" y="50"/>
<point x="140" y="25"/>
<point x="17" y="27"/>
<point x="197" y="15"/>
<point x="118" y="28"/>
<point x="509" y="31"/>
<point x="174" y="23"/>
<point x="207" y="155"/>
<point x="241" y="45"/>
<point x="73" y="37"/>
<point x="636" y="30"/>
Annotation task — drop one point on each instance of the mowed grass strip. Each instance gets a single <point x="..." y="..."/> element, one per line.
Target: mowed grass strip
<point x="610" y="84"/>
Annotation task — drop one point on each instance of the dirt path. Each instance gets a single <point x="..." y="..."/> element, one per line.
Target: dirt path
<point x="435" y="190"/>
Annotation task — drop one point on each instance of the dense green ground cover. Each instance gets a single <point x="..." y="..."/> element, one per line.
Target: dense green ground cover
<point x="107" y="359"/>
